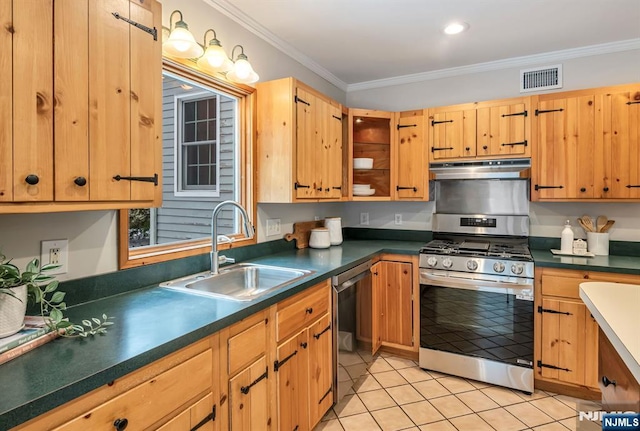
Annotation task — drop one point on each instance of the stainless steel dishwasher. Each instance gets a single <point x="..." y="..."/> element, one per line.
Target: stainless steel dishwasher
<point x="352" y="316"/>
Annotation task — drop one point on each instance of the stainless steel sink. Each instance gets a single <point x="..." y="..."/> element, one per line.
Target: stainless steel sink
<point x="241" y="282"/>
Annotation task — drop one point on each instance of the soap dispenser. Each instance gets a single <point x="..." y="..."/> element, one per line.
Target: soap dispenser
<point x="566" y="239"/>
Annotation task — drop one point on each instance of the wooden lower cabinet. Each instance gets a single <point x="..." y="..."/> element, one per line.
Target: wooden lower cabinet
<point x="303" y="364"/>
<point x="620" y="390"/>
<point x="393" y="303"/>
<point x="248" y="397"/>
<point x="157" y="396"/>
<point x="566" y="335"/>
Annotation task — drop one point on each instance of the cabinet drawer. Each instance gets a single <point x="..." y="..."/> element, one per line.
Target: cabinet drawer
<point x="568" y="287"/>
<point x="247" y="346"/>
<point x="150" y="401"/>
<point x="624" y="394"/>
<point x="302" y="310"/>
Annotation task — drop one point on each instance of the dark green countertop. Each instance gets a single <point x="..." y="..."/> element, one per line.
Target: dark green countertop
<point x="151" y="323"/>
<point x="618" y="264"/>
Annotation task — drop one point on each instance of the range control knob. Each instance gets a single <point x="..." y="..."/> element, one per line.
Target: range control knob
<point x="472" y="265"/>
<point x="447" y="263"/>
<point x="432" y="261"/>
<point x="498" y="267"/>
<point x="517" y="268"/>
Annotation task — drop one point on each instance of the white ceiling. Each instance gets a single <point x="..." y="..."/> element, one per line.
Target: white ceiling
<point x="369" y="43"/>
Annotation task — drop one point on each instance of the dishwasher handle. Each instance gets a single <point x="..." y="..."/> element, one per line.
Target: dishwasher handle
<point x="350" y="282"/>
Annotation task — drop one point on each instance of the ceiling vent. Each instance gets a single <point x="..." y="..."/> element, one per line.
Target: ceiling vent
<point x="541" y="78"/>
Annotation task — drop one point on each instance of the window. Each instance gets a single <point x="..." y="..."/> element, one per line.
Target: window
<point x="206" y="157"/>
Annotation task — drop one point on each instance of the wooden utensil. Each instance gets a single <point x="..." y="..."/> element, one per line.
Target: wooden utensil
<point x="601" y="221"/>
<point x="302" y="232"/>
<point x="587" y="223"/>
<point x="607" y="226"/>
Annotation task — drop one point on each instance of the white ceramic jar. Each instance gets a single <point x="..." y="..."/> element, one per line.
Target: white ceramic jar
<point x="319" y="238"/>
<point x="334" y="224"/>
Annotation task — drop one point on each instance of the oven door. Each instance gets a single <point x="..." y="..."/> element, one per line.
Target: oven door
<point x="477" y="315"/>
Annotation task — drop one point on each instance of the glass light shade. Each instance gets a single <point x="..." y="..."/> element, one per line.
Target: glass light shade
<point x="215" y="59"/>
<point x="242" y="72"/>
<point x="182" y="44"/>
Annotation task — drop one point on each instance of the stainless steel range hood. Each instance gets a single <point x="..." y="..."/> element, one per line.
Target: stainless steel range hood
<point x="485" y="169"/>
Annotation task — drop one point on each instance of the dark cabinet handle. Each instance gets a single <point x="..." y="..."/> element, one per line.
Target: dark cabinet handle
<point x="80" y="181"/>
<point x="245" y="389"/>
<point x="538" y="187"/>
<point x="319" y="189"/>
<point x="606" y="189"/>
<point x="398" y="188"/>
<point x="309" y="310"/>
<point x="484" y="147"/>
<point x="297" y="186"/>
<point x="317" y="336"/>
<point x="32" y="179"/>
<point x="153" y="179"/>
<point x="583" y="190"/>
<point x="120" y="424"/>
<point x="467" y="148"/>
<point x="304" y="345"/>
<point x="606" y="382"/>
<point x="337" y="188"/>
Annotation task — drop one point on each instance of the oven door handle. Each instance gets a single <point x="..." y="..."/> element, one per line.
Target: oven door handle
<point x="430" y="278"/>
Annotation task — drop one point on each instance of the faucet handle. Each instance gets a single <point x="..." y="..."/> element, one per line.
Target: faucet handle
<point x="225" y="259"/>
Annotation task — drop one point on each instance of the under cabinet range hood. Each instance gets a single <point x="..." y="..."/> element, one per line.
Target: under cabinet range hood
<point x="483" y="169"/>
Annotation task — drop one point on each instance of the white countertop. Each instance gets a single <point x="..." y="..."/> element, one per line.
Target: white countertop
<point x="616" y="308"/>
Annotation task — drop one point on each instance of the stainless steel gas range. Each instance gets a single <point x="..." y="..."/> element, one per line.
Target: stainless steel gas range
<point x="476" y="284"/>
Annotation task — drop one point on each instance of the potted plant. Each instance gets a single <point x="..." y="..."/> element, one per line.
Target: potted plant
<point x="34" y="285"/>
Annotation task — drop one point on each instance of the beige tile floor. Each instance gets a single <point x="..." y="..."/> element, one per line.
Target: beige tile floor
<point x="398" y="395"/>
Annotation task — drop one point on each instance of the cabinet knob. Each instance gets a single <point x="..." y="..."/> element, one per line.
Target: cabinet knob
<point x="303" y="345"/>
<point x="606" y="382"/>
<point x="32" y="179"/>
<point x="309" y="310"/>
<point x="484" y="147"/>
<point x="606" y="189"/>
<point x="120" y="424"/>
<point x="582" y="189"/>
<point x="80" y="181"/>
<point x="467" y="148"/>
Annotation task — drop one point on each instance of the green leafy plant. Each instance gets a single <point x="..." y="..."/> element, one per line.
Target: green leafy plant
<point x="42" y="290"/>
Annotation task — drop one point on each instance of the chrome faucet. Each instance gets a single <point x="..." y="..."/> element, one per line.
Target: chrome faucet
<point x="249" y="232"/>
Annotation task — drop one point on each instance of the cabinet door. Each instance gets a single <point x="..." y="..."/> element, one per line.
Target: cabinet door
<point x="501" y="130"/>
<point x="33" y="100"/>
<point x="331" y="148"/>
<point x="248" y="398"/>
<point x="453" y="134"/>
<point x="411" y="162"/>
<point x="563" y="340"/>
<point x="6" y="104"/>
<point x="308" y="154"/>
<point x="320" y="373"/>
<point x="566" y="148"/>
<point x="292" y="383"/>
<point x="621" y="176"/>
<point x="200" y="413"/>
<point x="377" y="301"/>
<point x="393" y="284"/>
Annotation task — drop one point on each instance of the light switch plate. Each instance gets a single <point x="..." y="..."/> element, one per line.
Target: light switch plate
<point x="273" y="227"/>
<point x="364" y="219"/>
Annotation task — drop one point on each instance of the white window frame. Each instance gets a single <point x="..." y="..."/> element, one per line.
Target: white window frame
<point x="178" y="163"/>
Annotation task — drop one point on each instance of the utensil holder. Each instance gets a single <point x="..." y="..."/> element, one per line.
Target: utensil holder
<point x="598" y="243"/>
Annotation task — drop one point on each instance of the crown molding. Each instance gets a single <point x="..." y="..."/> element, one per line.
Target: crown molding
<point x="231" y="11"/>
<point x="529" y="60"/>
<point x="226" y="8"/>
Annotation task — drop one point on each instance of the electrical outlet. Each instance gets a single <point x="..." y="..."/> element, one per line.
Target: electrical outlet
<point x="55" y="252"/>
<point x="273" y="227"/>
<point x="398" y="219"/>
<point x="364" y="219"/>
<point x="316" y="218"/>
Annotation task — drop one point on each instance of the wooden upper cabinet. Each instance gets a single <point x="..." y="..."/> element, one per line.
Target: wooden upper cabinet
<point x="84" y="110"/>
<point x="411" y="161"/>
<point x="299" y="143"/>
<point x="26" y="99"/>
<point x="372" y="136"/>
<point x="503" y="128"/>
<point x="452" y="132"/>
<point x="588" y="144"/>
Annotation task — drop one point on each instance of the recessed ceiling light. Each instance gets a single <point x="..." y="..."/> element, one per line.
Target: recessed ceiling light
<point x="456" y="27"/>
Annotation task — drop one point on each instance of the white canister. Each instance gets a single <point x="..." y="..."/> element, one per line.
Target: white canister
<point x="598" y="243"/>
<point x="319" y="238"/>
<point x="334" y="224"/>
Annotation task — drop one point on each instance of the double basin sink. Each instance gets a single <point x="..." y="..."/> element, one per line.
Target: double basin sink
<point x="241" y="282"/>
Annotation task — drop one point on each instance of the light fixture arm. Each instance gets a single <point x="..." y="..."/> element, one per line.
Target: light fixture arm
<point x="171" y="27"/>
<point x="241" y="55"/>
